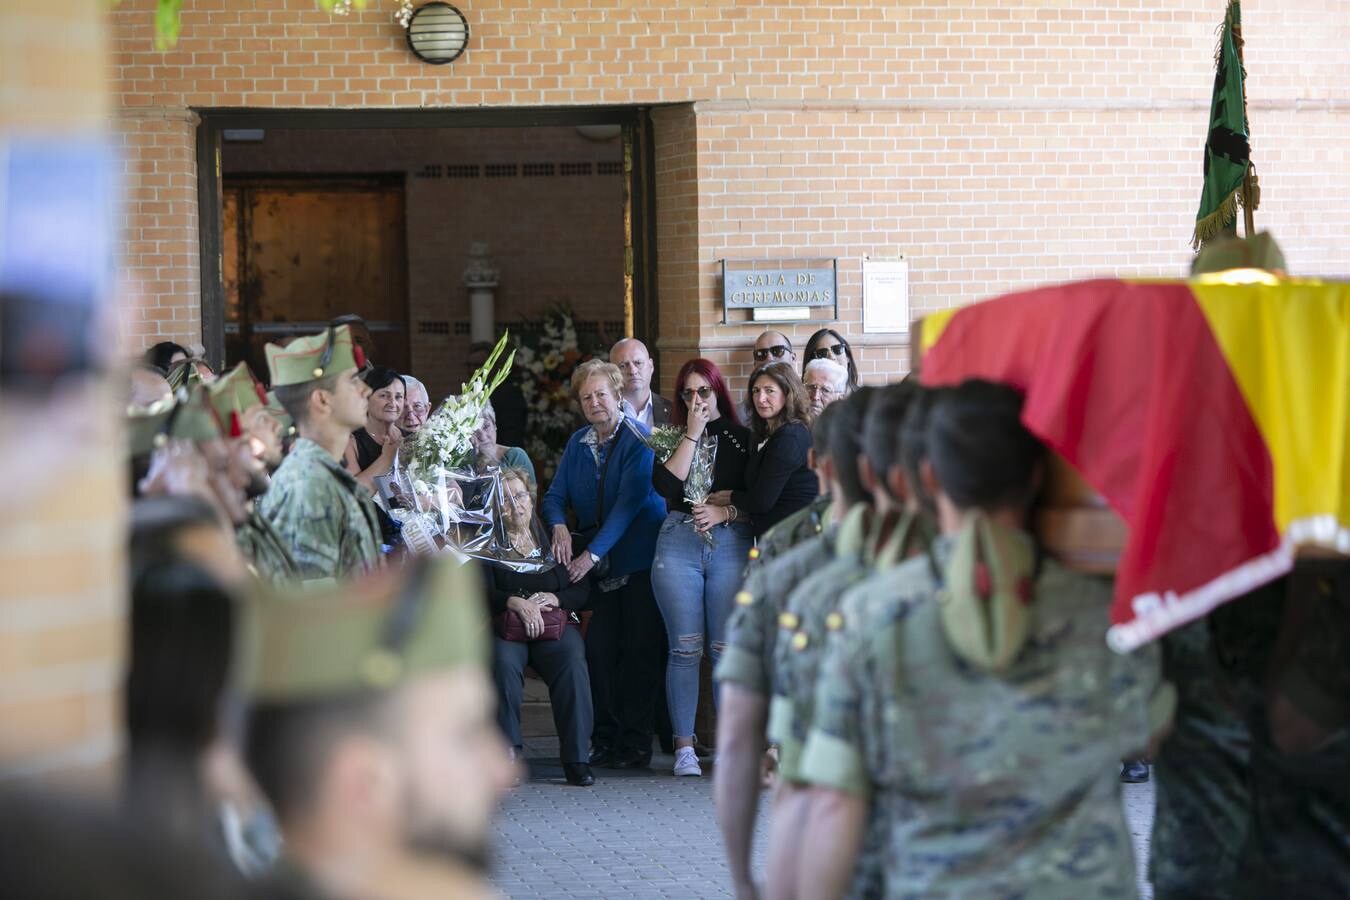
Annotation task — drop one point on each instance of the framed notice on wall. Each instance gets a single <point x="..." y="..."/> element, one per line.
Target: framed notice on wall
<point x="885" y="296"/>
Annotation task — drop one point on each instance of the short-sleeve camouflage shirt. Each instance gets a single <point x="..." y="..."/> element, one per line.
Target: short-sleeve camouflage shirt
<point x="993" y="785"/>
<point x="320" y="512"/>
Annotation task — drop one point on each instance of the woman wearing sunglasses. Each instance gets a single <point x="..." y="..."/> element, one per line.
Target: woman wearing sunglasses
<point x="830" y="344"/>
<point x="701" y="548"/>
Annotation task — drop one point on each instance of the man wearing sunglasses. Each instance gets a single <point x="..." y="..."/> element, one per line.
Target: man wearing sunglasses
<point x="773" y="346"/>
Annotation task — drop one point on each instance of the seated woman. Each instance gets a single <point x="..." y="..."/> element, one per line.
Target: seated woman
<point x="491" y="453"/>
<point x="372" y="449"/>
<point x="526" y="592"/>
<point x="779" y="477"/>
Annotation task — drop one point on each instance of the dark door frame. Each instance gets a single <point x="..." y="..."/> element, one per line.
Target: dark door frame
<point x="213" y="123"/>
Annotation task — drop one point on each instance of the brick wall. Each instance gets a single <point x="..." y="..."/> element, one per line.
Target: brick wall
<point x="993" y="145"/>
<point x="556" y="234"/>
<point x="61" y="598"/>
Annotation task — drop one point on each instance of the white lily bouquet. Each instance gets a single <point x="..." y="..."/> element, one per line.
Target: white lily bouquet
<point x="436" y="464"/>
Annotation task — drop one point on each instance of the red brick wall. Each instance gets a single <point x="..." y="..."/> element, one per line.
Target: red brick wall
<point x="555" y="238"/>
<point x="994" y="145"/>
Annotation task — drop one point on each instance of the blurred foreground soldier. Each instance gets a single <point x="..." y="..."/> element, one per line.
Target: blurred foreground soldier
<point x="323" y="515"/>
<point x="373" y="733"/>
<point x="745" y="673"/>
<point x="63" y="847"/>
<point x="254" y="448"/>
<point x="974" y="701"/>
<point x="147" y="386"/>
<point x="182" y="771"/>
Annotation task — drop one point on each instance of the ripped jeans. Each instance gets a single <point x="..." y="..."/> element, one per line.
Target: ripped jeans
<point x="695" y="586"/>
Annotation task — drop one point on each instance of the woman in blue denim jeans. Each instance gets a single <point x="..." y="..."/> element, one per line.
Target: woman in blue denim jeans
<point x="701" y="549"/>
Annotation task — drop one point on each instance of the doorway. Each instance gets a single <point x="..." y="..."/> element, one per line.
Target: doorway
<point x="299" y="252"/>
<point x="311" y="213"/>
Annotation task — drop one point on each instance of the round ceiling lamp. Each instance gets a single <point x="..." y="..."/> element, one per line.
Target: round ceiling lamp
<point x="437" y="33"/>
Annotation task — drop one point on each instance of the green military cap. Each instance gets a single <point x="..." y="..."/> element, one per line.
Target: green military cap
<point x="367" y="635"/>
<point x="1257" y="252"/>
<point x="316" y="356"/>
<point x="988" y="587"/>
<point x="235" y="393"/>
<point x="187" y="417"/>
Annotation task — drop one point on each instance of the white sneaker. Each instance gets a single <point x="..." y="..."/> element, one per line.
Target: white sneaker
<point x="686" y="762"/>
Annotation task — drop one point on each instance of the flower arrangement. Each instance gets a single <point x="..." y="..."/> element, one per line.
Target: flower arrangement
<point x="663" y="440"/>
<point x="547" y="360"/>
<point x="445" y="441"/>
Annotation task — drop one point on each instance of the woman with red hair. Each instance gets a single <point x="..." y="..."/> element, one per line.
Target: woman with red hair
<point x="701" y="549"/>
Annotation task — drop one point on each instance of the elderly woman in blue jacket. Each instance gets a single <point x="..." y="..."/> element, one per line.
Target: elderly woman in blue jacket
<point x="605" y="479"/>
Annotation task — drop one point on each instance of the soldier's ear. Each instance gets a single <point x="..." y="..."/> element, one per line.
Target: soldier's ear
<point x="867" y="475"/>
<point x="928" y="476"/>
<point x="897" y="484"/>
<point x="812" y="461"/>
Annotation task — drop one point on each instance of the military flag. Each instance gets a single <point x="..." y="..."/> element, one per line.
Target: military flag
<point x="1227" y="150"/>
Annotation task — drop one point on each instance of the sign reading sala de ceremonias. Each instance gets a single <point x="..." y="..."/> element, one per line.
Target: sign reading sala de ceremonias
<point x="778" y="284"/>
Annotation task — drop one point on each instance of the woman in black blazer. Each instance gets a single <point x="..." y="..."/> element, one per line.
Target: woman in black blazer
<point x="778" y="476"/>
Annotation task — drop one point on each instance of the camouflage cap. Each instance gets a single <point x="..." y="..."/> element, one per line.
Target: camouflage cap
<point x="367" y="635"/>
<point x="987" y="587"/>
<point x="316" y="356"/>
<point x="187" y="417"/>
<point x="234" y="394"/>
<point x="1256" y="252"/>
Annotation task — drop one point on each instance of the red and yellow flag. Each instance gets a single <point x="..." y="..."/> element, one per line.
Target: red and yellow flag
<point x="1213" y="416"/>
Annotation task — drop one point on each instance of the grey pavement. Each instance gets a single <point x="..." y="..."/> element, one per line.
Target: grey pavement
<point x="644" y="834"/>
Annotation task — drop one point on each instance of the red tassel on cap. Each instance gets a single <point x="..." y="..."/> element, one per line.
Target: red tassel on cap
<point x="359" y="355"/>
<point x="984" y="585"/>
<point x="236" y="426"/>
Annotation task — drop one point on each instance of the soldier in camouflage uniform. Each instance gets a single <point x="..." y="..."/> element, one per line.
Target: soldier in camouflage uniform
<point x="802" y="525"/>
<point x="969" y="698"/>
<point x="873" y="538"/>
<point x="745" y="671"/>
<point x="371" y="732"/>
<point x="316" y="507"/>
<point x="241" y="404"/>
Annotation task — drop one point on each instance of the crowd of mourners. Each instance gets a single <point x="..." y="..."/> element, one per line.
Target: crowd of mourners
<point x="928" y="693"/>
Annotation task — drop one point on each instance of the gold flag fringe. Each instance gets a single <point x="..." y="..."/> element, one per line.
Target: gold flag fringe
<point x="1214" y="224"/>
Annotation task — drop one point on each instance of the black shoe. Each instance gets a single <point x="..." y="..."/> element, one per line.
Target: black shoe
<point x="1134" y="771"/>
<point x="601" y="757"/>
<point x="631" y="759"/>
<point x="578" y="774"/>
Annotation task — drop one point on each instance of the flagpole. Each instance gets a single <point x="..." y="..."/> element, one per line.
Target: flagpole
<point x="1249" y="195"/>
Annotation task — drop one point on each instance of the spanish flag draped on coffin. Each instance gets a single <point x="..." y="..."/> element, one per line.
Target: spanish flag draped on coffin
<point x="1213" y="415"/>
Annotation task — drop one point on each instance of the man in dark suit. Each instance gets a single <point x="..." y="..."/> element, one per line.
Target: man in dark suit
<point x="652" y="410"/>
<point x="631" y="356"/>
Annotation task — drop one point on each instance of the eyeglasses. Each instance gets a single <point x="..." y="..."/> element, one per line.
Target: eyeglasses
<point x="778" y="351"/>
<point x="827" y="352"/>
<point x="822" y="389"/>
<point x="703" y="393"/>
<point x="519" y="498"/>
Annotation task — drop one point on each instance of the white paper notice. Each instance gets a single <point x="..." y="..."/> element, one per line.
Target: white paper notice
<point x="885" y="296"/>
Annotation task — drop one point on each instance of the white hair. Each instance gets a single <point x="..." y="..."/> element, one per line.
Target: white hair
<point x="837" y="374"/>
<point x="412" y="382"/>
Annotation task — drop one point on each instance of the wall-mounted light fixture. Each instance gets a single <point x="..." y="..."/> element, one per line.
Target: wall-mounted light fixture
<point x="437" y="33"/>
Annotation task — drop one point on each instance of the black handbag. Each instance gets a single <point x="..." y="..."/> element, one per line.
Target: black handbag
<point x="582" y="539"/>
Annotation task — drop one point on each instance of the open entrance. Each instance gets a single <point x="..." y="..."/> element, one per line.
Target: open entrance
<point x="311" y="215"/>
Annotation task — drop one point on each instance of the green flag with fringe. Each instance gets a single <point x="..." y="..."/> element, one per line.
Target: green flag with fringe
<point x="1227" y="151"/>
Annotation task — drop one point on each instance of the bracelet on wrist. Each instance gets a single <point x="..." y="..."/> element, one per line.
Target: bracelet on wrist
<point x="689" y="439"/>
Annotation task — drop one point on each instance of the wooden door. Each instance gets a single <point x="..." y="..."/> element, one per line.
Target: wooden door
<point x="299" y="252"/>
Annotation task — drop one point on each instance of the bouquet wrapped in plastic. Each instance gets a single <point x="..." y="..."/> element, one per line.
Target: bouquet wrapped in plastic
<point x="436" y="494"/>
<point x="698" y="483"/>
